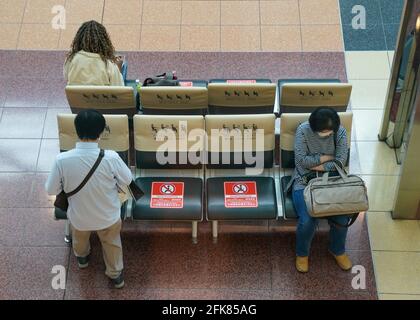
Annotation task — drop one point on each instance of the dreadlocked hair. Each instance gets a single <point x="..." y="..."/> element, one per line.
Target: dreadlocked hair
<point x="92" y="37"/>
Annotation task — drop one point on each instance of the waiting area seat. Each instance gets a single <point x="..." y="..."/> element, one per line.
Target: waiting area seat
<point x="241" y="96"/>
<point x="105" y="99"/>
<point x="305" y="95"/>
<point x="115" y="137"/>
<point x="169" y="161"/>
<point x="188" y="100"/>
<point x="240" y="174"/>
<point x="288" y="126"/>
<point x="240" y="81"/>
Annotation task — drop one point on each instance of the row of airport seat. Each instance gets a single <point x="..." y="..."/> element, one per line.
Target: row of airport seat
<point x="218" y="96"/>
<point x="190" y="190"/>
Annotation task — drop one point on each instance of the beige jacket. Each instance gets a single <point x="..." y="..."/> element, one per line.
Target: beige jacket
<point x="88" y="68"/>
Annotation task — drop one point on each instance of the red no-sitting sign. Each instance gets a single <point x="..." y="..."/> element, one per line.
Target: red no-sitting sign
<point x="167" y="195"/>
<point x="241" y="194"/>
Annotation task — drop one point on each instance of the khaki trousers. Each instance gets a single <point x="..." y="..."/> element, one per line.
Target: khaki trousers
<point x="111" y="247"/>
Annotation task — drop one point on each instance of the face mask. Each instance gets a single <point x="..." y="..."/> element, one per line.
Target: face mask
<point x="325" y="134"/>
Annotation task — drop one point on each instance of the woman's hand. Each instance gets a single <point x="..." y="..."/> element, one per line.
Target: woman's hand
<point x="318" y="168"/>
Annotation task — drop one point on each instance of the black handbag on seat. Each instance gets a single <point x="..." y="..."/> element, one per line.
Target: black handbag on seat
<point x="61" y="201"/>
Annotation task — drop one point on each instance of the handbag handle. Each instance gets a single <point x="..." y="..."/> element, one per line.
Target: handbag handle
<point x="341" y="171"/>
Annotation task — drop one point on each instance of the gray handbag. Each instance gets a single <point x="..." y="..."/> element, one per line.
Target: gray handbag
<point x="328" y="196"/>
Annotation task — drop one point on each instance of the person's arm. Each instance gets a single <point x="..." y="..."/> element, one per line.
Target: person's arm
<point x="66" y="71"/>
<point x="115" y="76"/>
<point x="324" y="160"/>
<point x="53" y="186"/>
<point x="122" y="173"/>
<point x="341" y="150"/>
<point x="302" y="155"/>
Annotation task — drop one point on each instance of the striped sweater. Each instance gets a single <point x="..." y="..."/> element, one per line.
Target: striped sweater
<point x="309" y="147"/>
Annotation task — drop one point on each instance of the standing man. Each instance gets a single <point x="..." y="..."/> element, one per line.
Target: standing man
<point x="96" y="207"/>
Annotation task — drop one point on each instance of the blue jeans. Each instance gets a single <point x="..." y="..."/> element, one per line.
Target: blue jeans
<point x="307" y="226"/>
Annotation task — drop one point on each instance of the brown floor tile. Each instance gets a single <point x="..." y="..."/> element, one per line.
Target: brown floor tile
<point x="37" y="96"/>
<point x="9" y="34"/>
<point x="319" y="38"/>
<point x="112" y="294"/>
<point x="41" y="229"/>
<point x="14" y="190"/>
<point x="9" y="265"/>
<point x="79" y="11"/>
<point x="31" y="294"/>
<point x="281" y="38"/>
<point x="201" y="13"/>
<point x="12" y="11"/>
<point x="319" y="12"/>
<point x="218" y="294"/>
<point x="58" y="97"/>
<point x="280" y="12"/>
<point x="36" y="264"/>
<point x="159" y="12"/>
<point x="159" y="38"/>
<point x="341" y="281"/>
<point x="12" y="227"/>
<point x="40" y="11"/>
<point x="38" y="36"/>
<point x="200" y="38"/>
<point x="33" y="227"/>
<point x="30" y="69"/>
<point x="38" y="198"/>
<point x="244" y="38"/>
<point x="126" y="12"/>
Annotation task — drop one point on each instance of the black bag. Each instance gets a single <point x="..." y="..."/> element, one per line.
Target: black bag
<point x="61" y="201"/>
<point x="163" y="80"/>
<point x="135" y="191"/>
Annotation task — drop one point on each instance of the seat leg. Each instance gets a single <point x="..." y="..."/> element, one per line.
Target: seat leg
<point x="214" y="228"/>
<point x="195" y="232"/>
<point x="67" y="232"/>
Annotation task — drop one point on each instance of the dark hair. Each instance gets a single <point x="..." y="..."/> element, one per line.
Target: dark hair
<point x="89" y="124"/>
<point x="93" y="37"/>
<point x="324" y="118"/>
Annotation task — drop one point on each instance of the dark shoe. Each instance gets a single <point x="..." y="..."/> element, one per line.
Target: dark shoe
<point x="83" y="262"/>
<point x="118" y="282"/>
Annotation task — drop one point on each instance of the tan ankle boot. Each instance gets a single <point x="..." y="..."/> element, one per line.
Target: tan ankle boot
<point x="343" y="261"/>
<point x="302" y="264"/>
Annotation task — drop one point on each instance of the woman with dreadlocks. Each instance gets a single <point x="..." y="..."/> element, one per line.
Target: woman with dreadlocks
<point x="92" y="59"/>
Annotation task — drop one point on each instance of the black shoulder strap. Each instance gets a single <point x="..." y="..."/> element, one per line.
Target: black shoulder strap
<point x="91" y="172"/>
<point x="335" y="140"/>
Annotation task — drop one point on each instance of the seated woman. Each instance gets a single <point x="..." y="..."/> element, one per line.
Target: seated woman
<point x="315" y="149"/>
<point x="92" y="59"/>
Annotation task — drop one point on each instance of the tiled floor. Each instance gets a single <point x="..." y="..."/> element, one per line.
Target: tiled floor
<point x="161" y="262"/>
<point x="175" y="25"/>
<point x="299" y="39"/>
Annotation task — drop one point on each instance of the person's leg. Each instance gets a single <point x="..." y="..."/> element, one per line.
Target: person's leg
<point x="306" y="225"/>
<point x="338" y="235"/>
<point x="112" y="250"/>
<point x="81" y="243"/>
